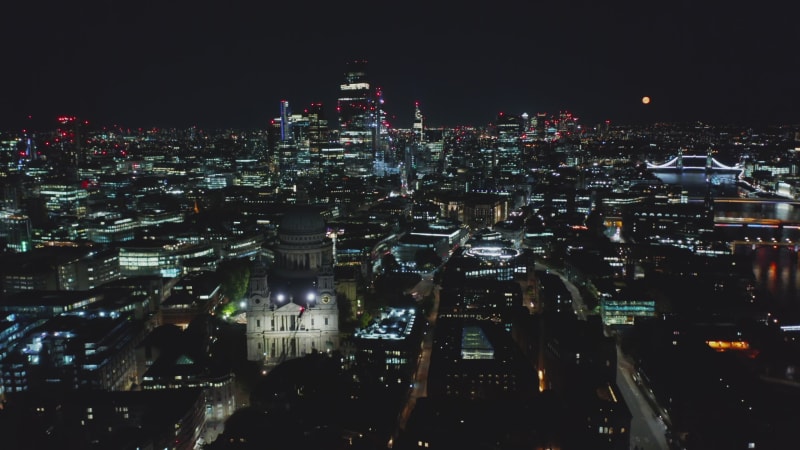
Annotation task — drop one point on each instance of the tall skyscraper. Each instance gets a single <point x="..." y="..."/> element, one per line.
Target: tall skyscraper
<point x="286" y="123"/>
<point x="358" y="119"/>
<point x="286" y="147"/>
<point x="417" y="127"/>
<point x="385" y="161"/>
<point x="507" y="148"/>
<point x="68" y="140"/>
<point x="319" y="137"/>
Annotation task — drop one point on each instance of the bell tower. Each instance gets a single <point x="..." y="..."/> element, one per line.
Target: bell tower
<point x="325" y="286"/>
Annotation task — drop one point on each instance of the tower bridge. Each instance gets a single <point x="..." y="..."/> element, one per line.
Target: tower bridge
<point x="690" y="163"/>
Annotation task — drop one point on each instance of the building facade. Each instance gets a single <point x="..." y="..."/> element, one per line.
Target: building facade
<point x="358" y="118"/>
<point x="292" y="309"/>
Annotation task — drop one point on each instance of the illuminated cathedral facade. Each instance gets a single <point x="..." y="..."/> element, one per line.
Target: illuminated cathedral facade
<point x="291" y="308"/>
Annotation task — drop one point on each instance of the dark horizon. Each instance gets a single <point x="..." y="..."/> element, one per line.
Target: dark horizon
<point x="187" y="64"/>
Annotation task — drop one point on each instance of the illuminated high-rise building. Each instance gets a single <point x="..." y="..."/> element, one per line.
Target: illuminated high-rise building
<point x="15" y="231"/>
<point x="358" y="119"/>
<point x="319" y="137"/>
<point x="286" y="146"/>
<point x="567" y="123"/>
<point x="383" y="162"/>
<point x="417" y="127"/>
<point x="68" y="139"/>
<point x="540" y="123"/>
<point x="507" y="146"/>
<point x="286" y="123"/>
<point x="318" y="131"/>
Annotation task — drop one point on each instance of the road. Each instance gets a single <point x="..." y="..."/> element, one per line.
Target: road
<point x="419" y="386"/>
<point x="647" y="431"/>
<point x="577" y="299"/>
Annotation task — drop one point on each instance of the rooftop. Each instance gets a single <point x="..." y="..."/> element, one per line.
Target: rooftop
<point x="392" y="323"/>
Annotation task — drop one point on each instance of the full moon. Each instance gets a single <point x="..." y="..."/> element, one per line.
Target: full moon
<point x="645" y="100"/>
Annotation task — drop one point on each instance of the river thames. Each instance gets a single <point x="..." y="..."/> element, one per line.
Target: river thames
<point x="775" y="267"/>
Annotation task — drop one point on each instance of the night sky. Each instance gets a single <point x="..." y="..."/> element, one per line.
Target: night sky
<point x="229" y="63"/>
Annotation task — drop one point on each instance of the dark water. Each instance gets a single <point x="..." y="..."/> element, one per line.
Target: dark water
<point x="775" y="268"/>
<point x="697" y="184"/>
<point x="778" y="280"/>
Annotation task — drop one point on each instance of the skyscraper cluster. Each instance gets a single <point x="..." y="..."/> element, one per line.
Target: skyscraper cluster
<point x="358" y="146"/>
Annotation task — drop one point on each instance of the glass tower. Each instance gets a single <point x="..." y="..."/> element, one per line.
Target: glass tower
<point x="358" y="119"/>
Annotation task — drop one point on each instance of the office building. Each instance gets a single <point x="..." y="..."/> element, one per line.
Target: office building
<point x="358" y="120"/>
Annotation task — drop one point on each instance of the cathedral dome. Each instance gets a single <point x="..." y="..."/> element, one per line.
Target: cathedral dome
<point x="303" y="248"/>
<point x="303" y="220"/>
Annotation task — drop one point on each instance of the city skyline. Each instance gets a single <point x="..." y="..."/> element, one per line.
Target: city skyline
<point x="507" y="287"/>
<point x="216" y="66"/>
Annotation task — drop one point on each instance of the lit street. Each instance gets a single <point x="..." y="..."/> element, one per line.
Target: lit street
<point x="647" y="431"/>
<point x="418" y="389"/>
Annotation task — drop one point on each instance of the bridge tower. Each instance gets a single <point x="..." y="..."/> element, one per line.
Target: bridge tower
<point x="679" y="162"/>
<point x="709" y="160"/>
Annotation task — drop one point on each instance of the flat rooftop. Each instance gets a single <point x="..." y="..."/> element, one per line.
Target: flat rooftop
<point x="392" y="323"/>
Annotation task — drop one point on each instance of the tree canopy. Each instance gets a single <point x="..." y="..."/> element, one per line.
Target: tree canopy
<point x="235" y="276"/>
